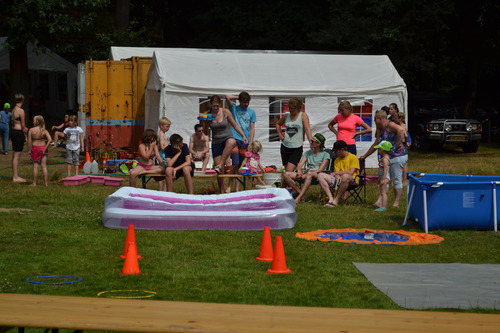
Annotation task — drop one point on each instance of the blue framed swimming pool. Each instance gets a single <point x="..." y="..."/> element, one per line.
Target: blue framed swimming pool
<point x="454" y="202"/>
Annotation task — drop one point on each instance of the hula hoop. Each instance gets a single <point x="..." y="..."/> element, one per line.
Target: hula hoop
<point x="30" y="279"/>
<point x="151" y="293"/>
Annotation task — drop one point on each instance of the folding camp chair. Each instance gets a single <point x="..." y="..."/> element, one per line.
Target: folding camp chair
<point x="354" y="191"/>
<point x="328" y="169"/>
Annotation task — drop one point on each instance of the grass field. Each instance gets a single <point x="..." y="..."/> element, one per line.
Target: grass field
<point x="58" y="231"/>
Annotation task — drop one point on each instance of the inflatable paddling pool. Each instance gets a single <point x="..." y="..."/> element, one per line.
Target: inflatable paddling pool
<point x="154" y="210"/>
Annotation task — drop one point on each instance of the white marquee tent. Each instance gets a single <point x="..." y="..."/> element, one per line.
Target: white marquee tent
<point x="181" y="80"/>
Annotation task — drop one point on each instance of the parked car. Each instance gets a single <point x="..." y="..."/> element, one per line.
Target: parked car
<point x="434" y="120"/>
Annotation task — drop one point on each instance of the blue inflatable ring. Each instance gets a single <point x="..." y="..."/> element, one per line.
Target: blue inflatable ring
<point x="30" y="279"/>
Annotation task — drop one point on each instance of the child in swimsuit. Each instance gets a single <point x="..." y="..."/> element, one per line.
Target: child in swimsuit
<point x="147" y="151"/>
<point x="252" y="161"/>
<point x="39" y="141"/>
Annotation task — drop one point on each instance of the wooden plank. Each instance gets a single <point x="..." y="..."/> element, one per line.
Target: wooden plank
<point x="147" y="177"/>
<point x="95" y="313"/>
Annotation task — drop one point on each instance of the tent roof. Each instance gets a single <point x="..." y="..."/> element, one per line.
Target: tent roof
<point x="267" y="73"/>
<point x="126" y="52"/>
<point x="47" y="60"/>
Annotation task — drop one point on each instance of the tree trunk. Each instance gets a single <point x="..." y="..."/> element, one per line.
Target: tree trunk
<point x="19" y="76"/>
<point x="122" y="14"/>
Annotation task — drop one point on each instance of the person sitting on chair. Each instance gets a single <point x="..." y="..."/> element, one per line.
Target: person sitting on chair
<point x="315" y="160"/>
<point x="346" y="168"/>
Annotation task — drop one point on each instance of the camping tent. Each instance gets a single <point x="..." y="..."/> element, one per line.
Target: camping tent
<point x="181" y="80"/>
<point x="52" y="81"/>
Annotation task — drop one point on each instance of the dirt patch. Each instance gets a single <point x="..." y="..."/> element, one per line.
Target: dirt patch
<point x="7" y="210"/>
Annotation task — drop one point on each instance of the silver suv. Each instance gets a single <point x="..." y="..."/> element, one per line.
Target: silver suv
<point x="463" y="132"/>
<point x="433" y="122"/>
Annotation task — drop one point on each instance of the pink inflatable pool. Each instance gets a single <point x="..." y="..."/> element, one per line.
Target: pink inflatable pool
<point x="248" y="210"/>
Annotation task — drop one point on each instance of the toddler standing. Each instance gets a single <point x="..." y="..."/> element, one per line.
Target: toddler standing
<point x="74" y="144"/>
<point x="383" y="174"/>
<point x="39" y="140"/>
<point x="252" y="161"/>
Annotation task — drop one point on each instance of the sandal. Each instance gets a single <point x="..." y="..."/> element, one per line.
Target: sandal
<point x="330" y="205"/>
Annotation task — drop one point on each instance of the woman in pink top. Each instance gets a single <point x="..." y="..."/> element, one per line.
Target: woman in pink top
<point x="347" y="124"/>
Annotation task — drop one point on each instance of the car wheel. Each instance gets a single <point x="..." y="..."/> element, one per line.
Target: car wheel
<point x="471" y="147"/>
<point x="419" y="142"/>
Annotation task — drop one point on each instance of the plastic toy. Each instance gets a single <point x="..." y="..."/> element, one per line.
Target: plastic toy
<point x="247" y="171"/>
<point x="206" y="117"/>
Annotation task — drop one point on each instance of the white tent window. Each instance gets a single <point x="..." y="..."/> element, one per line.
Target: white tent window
<point x="277" y="108"/>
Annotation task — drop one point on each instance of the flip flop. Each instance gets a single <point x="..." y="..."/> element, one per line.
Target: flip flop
<point x="330" y="205"/>
<point x="381" y="209"/>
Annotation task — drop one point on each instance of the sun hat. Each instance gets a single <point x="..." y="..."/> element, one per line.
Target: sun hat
<point x="385" y="145"/>
<point x="321" y="139"/>
<point x="6" y="106"/>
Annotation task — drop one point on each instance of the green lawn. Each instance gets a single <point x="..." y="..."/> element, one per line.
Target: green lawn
<point x="58" y="231"/>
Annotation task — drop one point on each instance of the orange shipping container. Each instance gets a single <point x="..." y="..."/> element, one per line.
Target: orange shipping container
<point x="114" y="102"/>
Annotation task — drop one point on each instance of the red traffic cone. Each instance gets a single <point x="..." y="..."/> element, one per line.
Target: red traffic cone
<point x="266" y="249"/>
<point x="130" y="238"/>
<point x="131" y="265"/>
<point x="279" y="261"/>
<point x="87" y="157"/>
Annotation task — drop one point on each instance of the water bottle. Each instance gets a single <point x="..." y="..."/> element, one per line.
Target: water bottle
<point x="86" y="167"/>
<point x="95" y="167"/>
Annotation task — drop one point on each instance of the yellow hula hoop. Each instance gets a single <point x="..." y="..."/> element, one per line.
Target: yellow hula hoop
<point x="151" y="293"/>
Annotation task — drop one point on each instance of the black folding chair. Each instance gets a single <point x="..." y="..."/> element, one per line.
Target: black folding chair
<point x="354" y="191"/>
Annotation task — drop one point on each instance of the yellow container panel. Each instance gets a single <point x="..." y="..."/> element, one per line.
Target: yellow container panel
<point x="115" y="100"/>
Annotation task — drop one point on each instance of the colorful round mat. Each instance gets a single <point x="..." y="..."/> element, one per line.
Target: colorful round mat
<point x="369" y="236"/>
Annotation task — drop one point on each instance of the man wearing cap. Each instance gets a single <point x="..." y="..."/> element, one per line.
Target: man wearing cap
<point x="5" y="116"/>
<point x="311" y="164"/>
<point x="346" y="168"/>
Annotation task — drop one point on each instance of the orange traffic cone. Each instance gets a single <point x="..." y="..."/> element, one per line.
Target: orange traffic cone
<point x="87" y="157"/>
<point x="130" y="238"/>
<point x="131" y="265"/>
<point x="266" y="249"/>
<point x="279" y="262"/>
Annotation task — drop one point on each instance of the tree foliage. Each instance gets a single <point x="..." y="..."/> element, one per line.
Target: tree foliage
<point x="449" y="46"/>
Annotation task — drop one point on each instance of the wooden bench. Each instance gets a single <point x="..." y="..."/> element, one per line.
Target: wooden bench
<point x="241" y="178"/>
<point x="126" y="315"/>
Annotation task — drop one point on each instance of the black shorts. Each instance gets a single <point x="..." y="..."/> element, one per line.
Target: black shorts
<point x="179" y="173"/>
<point x="18" y="138"/>
<point x="290" y="155"/>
